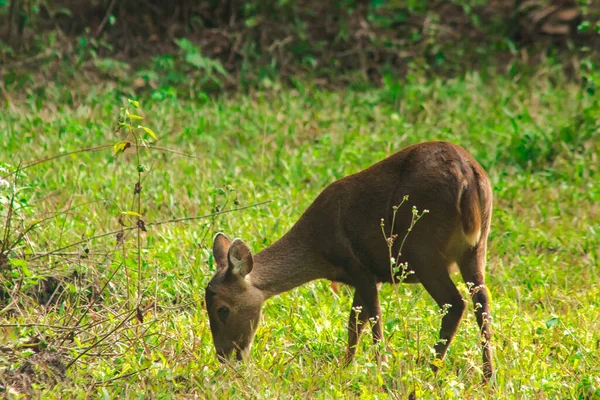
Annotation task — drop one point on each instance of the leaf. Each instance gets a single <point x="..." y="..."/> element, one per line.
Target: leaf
<point x="186" y="46"/>
<point x="121" y="146"/>
<point x="134" y="103"/>
<point x="25" y="270"/>
<point x="19" y="263"/>
<point x="390" y="323"/>
<point x="63" y="11"/>
<point x="195" y="59"/>
<point x="135" y="116"/>
<point x="552" y="322"/>
<point x="437" y="362"/>
<point x="148" y="131"/>
<point x="252" y="21"/>
<point x="126" y="126"/>
<point x="133" y="213"/>
<point x="583" y="26"/>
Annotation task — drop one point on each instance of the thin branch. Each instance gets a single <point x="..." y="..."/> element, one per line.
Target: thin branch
<point x="7" y="222"/>
<point x="91" y="150"/>
<point x="97" y="343"/>
<point x="26" y="231"/>
<point x="166" y="149"/>
<point x="41" y="221"/>
<point x="138" y="192"/>
<point x="43" y="160"/>
<point x="129" y="228"/>
<point x="78" y="254"/>
<point x="17" y="64"/>
<point x="116" y="378"/>
<point x="105" y="19"/>
<point x="31" y="325"/>
<point x="207" y="215"/>
<point x="94" y="301"/>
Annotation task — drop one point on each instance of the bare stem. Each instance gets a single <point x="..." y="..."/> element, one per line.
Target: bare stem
<point x="8" y="220"/>
<point x="130" y="228"/>
<point x="138" y="192"/>
<point x="88" y="308"/>
<point x="97" y="343"/>
<point x="91" y="150"/>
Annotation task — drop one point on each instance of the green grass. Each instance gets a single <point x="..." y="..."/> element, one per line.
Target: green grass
<point x="537" y="137"/>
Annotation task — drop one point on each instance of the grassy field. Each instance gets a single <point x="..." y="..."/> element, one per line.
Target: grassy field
<point x="75" y="308"/>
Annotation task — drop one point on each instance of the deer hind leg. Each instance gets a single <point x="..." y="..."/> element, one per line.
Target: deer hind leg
<point x="472" y="268"/>
<point x="433" y="274"/>
<point x="365" y="308"/>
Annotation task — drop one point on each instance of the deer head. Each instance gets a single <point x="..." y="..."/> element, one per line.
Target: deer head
<point x="233" y="304"/>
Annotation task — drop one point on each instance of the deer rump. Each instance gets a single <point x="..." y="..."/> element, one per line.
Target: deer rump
<point x="440" y="177"/>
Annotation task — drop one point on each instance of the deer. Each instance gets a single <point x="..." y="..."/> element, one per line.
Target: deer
<point x="339" y="238"/>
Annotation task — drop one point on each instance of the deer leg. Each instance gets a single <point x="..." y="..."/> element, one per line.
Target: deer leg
<point x="356" y="324"/>
<point x="472" y="269"/>
<point x="365" y="307"/>
<point x="440" y="286"/>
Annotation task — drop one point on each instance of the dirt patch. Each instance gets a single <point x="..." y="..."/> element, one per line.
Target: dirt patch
<point x="45" y="369"/>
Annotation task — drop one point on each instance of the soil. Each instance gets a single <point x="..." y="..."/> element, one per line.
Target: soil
<point x="45" y="369"/>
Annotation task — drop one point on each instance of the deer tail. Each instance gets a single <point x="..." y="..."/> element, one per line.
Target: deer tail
<point x="470" y="208"/>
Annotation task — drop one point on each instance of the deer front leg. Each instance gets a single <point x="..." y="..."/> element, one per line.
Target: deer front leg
<point x="365" y="307"/>
<point x="356" y="324"/>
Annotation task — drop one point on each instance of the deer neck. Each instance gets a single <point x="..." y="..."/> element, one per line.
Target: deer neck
<point x="286" y="264"/>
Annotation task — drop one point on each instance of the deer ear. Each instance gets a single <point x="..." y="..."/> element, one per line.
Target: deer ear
<point x="240" y="258"/>
<point x="221" y="245"/>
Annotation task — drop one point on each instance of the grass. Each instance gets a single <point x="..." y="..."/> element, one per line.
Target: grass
<point x="537" y="136"/>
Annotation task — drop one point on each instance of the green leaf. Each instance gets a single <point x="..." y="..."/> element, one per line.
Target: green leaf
<point x="125" y="126"/>
<point x="583" y="26"/>
<point x="25" y="270"/>
<point x="19" y="263"/>
<point x="552" y="322"/>
<point x="121" y="146"/>
<point x="135" y="116"/>
<point x="195" y="59"/>
<point x="134" y="103"/>
<point x="187" y="46"/>
<point x="132" y="213"/>
<point x="148" y="131"/>
<point x="253" y="21"/>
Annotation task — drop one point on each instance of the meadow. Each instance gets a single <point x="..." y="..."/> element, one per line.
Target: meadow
<point x="94" y="303"/>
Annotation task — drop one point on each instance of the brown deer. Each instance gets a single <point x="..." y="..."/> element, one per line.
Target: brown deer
<point x="339" y="238"/>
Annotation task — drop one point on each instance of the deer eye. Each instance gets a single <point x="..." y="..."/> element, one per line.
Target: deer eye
<point x="223" y="313"/>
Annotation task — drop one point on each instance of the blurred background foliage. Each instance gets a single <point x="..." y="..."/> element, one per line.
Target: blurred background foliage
<point x="227" y="44"/>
